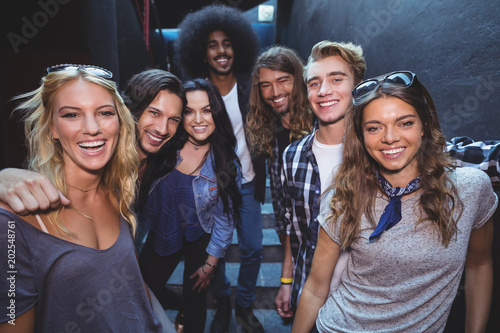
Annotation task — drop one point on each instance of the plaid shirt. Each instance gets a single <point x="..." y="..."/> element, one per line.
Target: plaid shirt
<point x="483" y="155"/>
<point x="301" y="192"/>
<point x="274" y="163"/>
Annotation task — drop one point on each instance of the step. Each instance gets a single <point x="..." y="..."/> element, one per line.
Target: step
<point x="267" y="208"/>
<point x="264" y="297"/>
<point x="268" y="318"/>
<point x="272" y="251"/>
<point x="269" y="274"/>
<point x="270" y="237"/>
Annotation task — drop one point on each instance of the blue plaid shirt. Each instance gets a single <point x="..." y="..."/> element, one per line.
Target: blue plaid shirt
<point x="275" y="165"/>
<point x="301" y="192"/>
<point x="483" y="155"/>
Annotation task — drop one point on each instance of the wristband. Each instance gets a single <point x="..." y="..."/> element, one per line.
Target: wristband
<point x="209" y="264"/>
<point x="203" y="270"/>
<point x="286" y="280"/>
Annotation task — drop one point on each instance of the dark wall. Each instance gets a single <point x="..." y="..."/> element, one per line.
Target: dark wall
<point x="453" y="46"/>
<point x="40" y="33"/>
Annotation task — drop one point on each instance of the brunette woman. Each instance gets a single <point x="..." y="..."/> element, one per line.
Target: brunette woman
<point x="192" y="209"/>
<point x="412" y="220"/>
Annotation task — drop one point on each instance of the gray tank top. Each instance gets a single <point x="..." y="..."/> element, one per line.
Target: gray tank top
<point x="74" y="288"/>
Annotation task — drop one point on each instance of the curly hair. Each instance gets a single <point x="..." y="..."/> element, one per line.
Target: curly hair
<point x="191" y="44"/>
<point x="261" y="121"/>
<point x="356" y="185"/>
<point x="46" y="156"/>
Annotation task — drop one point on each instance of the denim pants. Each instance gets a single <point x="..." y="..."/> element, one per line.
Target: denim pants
<point x="249" y="230"/>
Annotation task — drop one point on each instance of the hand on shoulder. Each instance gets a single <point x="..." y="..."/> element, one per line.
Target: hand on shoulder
<point x="28" y="192"/>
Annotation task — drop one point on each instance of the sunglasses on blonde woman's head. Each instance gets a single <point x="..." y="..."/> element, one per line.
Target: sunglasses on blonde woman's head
<point x="401" y="78"/>
<point x="95" y="70"/>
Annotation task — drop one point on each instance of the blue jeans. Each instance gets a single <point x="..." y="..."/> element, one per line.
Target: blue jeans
<point x="249" y="230"/>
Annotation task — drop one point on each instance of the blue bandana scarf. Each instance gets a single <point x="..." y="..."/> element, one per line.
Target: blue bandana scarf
<point x="392" y="212"/>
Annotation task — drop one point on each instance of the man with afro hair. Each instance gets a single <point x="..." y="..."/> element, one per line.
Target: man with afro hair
<point x="218" y="43"/>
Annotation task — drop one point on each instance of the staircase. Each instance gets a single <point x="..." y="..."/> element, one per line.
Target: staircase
<point x="268" y="281"/>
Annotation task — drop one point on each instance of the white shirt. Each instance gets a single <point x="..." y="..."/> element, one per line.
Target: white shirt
<point x="233" y="109"/>
<point x="328" y="158"/>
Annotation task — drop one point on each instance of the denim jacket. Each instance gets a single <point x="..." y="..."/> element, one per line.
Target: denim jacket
<point x="209" y="209"/>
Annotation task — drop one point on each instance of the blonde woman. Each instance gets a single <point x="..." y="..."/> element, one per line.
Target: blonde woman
<point x="74" y="268"/>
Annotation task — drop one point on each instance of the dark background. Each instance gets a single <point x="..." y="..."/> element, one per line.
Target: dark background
<point x="453" y="46"/>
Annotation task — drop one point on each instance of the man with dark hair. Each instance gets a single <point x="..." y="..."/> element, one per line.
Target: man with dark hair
<point x="154" y="97"/>
<point x="218" y="43"/>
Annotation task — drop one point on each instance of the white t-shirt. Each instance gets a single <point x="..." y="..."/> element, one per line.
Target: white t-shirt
<point x="328" y="158"/>
<point x="233" y="109"/>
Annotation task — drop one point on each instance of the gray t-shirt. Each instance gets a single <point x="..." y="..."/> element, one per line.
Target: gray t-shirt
<point x="74" y="288"/>
<point x="406" y="280"/>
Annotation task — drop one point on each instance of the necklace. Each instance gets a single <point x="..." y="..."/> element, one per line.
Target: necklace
<point x="84" y="191"/>
<point x="71" y="206"/>
<point x="196" y="145"/>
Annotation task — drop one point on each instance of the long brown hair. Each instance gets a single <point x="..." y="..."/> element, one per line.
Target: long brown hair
<point x="356" y="186"/>
<point x="261" y="122"/>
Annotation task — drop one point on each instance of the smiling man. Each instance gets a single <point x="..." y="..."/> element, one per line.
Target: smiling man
<point x="279" y="114"/>
<point x="154" y="97"/>
<point x="156" y="100"/>
<point x="218" y="43"/>
<point x="332" y="71"/>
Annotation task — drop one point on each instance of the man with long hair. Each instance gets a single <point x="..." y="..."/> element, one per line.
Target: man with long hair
<point x="279" y="114"/>
<point x="218" y="43"/>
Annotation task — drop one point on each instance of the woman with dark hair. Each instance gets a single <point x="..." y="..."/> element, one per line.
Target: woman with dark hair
<point x="412" y="220"/>
<point x="192" y="208"/>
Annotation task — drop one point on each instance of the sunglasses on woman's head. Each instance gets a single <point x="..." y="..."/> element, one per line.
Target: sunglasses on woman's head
<point x="95" y="70"/>
<point x="402" y="78"/>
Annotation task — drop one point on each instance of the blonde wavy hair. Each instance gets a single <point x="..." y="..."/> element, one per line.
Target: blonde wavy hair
<point x="261" y="121"/>
<point x="356" y="186"/>
<point x="46" y="156"/>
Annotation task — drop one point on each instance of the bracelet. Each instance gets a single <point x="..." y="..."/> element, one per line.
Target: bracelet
<point x="203" y="270"/>
<point x="209" y="264"/>
<point x="286" y="280"/>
